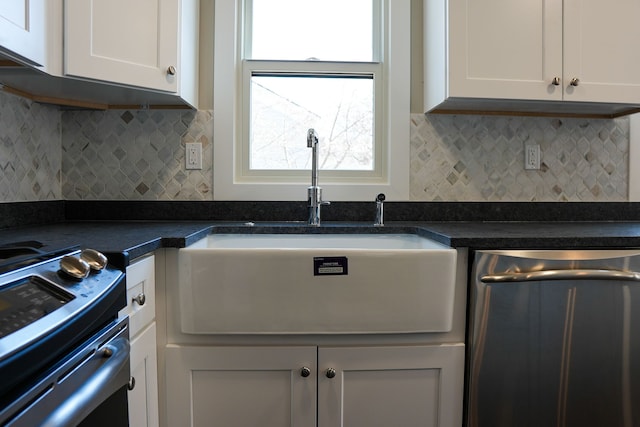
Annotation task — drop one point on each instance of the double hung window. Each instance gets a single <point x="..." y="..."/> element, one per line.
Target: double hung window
<point x="284" y="66"/>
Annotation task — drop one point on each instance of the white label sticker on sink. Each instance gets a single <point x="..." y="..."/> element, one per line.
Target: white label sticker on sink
<point x="330" y="266"/>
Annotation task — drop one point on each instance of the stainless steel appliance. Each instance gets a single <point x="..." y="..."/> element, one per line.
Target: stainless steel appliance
<point x="554" y="339"/>
<point x="64" y="353"/>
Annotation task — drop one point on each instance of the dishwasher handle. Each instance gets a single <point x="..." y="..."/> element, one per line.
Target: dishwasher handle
<point x="571" y="274"/>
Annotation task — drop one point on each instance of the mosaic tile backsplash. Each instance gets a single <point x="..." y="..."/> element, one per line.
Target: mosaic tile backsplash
<point x="30" y="156"/>
<point x="481" y="158"/>
<point x="48" y="154"/>
<point x="135" y="155"/>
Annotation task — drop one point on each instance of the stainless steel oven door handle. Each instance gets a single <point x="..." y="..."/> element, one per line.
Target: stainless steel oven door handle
<point x="113" y="374"/>
<point x="577" y="274"/>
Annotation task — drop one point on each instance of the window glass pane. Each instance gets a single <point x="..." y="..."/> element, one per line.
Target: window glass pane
<point x="283" y="108"/>
<point x="326" y="30"/>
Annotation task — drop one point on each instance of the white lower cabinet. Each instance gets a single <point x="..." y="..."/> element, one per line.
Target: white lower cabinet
<point x="413" y="385"/>
<point x="390" y="386"/>
<point x="143" y="397"/>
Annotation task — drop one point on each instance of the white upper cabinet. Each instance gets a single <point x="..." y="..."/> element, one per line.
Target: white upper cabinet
<point x="116" y="53"/>
<point x="123" y="41"/>
<point x="497" y="54"/>
<point x="505" y="49"/>
<point x="601" y="50"/>
<point x="26" y="28"/>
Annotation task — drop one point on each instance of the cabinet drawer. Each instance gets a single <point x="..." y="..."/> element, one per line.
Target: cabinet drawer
<point x="140" y="294"/>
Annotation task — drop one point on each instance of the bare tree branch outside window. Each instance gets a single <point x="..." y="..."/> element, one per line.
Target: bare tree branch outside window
<point x="283" y="108"/>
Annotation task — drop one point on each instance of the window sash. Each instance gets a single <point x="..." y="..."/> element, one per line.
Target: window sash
<point x="376" y="30"/>
<point x="309" y="68"/>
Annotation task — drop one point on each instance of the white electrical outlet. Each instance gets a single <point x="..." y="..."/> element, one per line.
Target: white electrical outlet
<point x="193" y="157"/>
<point x="532" y="156"/>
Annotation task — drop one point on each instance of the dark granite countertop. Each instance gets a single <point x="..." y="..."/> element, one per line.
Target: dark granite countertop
<point x="127" y="240"/>
<point x="121" y="240"/>
<point x="542" y="235"/>
<point x="127" y="230"/>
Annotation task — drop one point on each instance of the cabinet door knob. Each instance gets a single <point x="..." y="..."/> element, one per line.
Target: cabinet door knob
<point x="574" y="81"/>
<point x="305" y="372"/>
<point x="171" y="70"/>
<point x="140" y="299"/>
<point x="556" y="81"/>
<point x="331" y="373"/>
<point x="132" y="383"/>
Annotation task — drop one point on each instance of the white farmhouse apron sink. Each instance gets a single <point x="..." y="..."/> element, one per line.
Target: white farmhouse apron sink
<point x="316" y="283"/>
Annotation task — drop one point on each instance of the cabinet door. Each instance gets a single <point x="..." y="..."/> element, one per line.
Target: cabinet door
<point x="504" y="49"/>
<point x="241" y="386"/>
<point x="143" y="399"/>
<point x="121" y="41"/>
<point x="391" y="386"/>
<point x="23" y="29"/>
<point x="601" y="50"/>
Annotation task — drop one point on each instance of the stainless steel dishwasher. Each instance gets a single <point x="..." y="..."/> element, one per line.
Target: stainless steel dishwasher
<point x="554" y="339"/>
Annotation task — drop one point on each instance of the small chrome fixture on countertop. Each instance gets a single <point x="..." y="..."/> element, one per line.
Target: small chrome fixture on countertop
<point x="379" y="210"/>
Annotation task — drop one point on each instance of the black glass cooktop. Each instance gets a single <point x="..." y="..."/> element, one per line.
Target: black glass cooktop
<point x="20" y="254"/>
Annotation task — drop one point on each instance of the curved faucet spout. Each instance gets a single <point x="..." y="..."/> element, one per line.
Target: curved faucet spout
<point x="312" y="142"/>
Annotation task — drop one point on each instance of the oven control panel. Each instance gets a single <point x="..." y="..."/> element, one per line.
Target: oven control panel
<point x="27" y="300"/>
<point x="38" y="299"/>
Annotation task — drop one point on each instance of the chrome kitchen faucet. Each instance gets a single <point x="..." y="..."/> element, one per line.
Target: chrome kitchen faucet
<point x="314" y="192"/>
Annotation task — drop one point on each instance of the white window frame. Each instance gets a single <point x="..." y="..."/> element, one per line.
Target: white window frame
<point x="230" y="183"/>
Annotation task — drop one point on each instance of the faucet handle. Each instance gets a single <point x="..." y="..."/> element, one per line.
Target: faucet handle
<point x="312" y="137"/>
